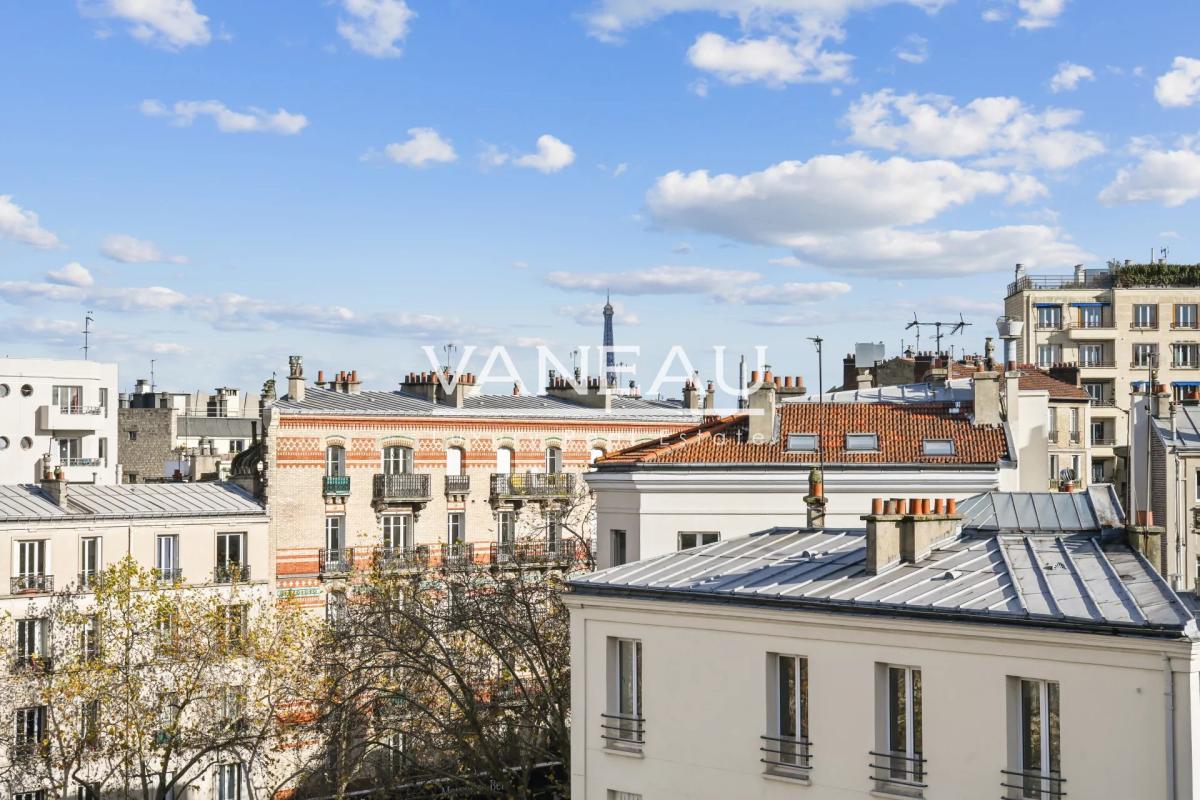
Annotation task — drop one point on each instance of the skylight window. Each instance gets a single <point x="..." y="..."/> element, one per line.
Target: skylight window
<point x="802" y="442"/>
<point x="862" y="441"/>
<point x="938" y="447"/>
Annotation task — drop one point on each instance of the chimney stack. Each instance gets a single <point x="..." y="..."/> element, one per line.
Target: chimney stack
<point x="985" y="387"/>
<point x="761" y="408"/>
<point x="900" y="532"/>
<point x="815" y="500"/>
<point x="296" y="379"/>
<point x="54" y="484"/>
<point x="863" y="380"/>
<point x="710" y="397"/>
<point x="691" y="395"/>
<point x="1162" y="405"/>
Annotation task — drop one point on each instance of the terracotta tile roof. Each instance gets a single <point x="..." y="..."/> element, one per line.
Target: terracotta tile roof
<point x="1034" y="378"/>
<point x="902" y="430"/>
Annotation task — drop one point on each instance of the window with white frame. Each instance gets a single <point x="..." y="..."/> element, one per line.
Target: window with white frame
<point x="397" y="531"/>
<point x="229" y="782"/>
<point x="166" y="556"/>
<point x="1185" y="315"/>
<point x="862" y="441"/>
<point x="802" y="442"/>
<point x="335" y="461"/>
<point x="554" y="461"/>
<point x="454" y="461"/>
<point x="397" y="460"/>
<point x="231" y="555"/>
<point x="623" y="723"/>
<point x="69" y="399"/>
<point x="690" y="539"/>
<point x="504" y="461"/>
<point x="335" y="534"/>
<point x="32" y="640"/>
<point x="89" y="638"/>
<point x="1145" y="315"/>
<point x="1034" y="752"/>
<point x="505" y="528"/>
<point x="1185" y="355"/>
<point x="1049" y="354"/>
<point x="89" y="560"/>
<point x="1049" y="317"/>
<point x="554" y="530"/>
<point x="456" y="527"/>
<point x="36" y="794"/>
<point x="1091" y="354"/>
<point x="618" y="544"/>
<point x="1091" y="316"/>
<point x="1145" y="354"/>
<point x="30" y="728"/>
<point x="31" y="558"/>
<point x="899" y="763"/>
<point x="938" y="447"/>
<point x="786" y="743"/>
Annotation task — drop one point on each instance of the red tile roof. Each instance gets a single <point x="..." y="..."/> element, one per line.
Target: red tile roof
<point x="1034" y="378"/>
<point x="902" y="429"/>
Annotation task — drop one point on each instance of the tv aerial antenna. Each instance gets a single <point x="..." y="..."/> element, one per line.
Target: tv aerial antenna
<point x="937" y="325"/>
<point x="88" y="319"/>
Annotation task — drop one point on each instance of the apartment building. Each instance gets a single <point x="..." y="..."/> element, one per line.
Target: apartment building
<point x="56" y="414"/>
<point x="1013" y="649"/>
<point x="438" y="472"/>
<point x="1115" y="324"/>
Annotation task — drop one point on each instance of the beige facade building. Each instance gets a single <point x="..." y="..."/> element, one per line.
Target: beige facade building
<point x="429" y="473"/>
<point x="1017" y="649"/>
<point x="1115" y="324"/>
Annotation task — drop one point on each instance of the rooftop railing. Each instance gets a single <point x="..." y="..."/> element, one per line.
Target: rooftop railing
<point x="1091" y="279"/>
<point x="623" y="731"/>
<point x="1032" y="785"/>
<point x="898" y="773"/>
<point x="787" y="755"/>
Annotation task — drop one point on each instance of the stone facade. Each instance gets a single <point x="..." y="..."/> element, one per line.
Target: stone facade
<point x="147" y="438"/>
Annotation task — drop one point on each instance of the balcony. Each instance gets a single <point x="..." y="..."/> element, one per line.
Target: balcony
<point x="336" y="562"/>
<point x="521" y="486"/>
<point x="65" y="418"/>
<point x="1138" y="326"/>
<point x="558" y="553"/>
<point x="401" y="557"/>
<point x="787" y="756"/>
<point x="88" y="579"/>
<point x="1104" y="441"/>
<point x="169" y="575"/>
<point x="1140" y="364"/>
<point x="31" y="584"/>
<point x="335" y="485"/>
<point x="33" y="662"/>
<point x="400" y="488"/>
<point x="231" y="573"/>
<point x="1032" y="785"/>
<point x="458" y="554"/>
<point x="1049" y="325"/>
<point x="1091" y="279"/>
<point x="623" y="731"/>
<point x="458" y="484"/>
<point x="897" y="773"/>
<point x="1102" y="402"/>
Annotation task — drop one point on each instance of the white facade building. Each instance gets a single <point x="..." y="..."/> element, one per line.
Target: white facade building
<point x="1031" y="654"/>
<point x="58" y="414"/>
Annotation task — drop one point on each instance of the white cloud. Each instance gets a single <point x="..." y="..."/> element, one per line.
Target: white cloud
<point x="20" y="225"/>
<point x="999" y="131"/>
<point x="771" y="60"/>
<point x="1025" y="189"/>
<point x="253" y="120"/>
<point x="738" y="287"/>
<point x="620" y="169"/>
<point x="1169" y="235"/>
<point x="995" y="15"/>
<point x="375" y="27"/>
<point x="170" y="24"/>
<point x="1169" y="177"/>
<point x="520" y="265"/>
<point x="1181" y="86"/>
<point x="1037" y="14"/>
<point x="785" y="293"/>
<point x="592" y="314"/>
<point x="129" y="250"/>
<point x="1068" y="77"/>
<point x="147" y="298"/>
<point x="699" y="87"/>
<point x="72" y="274"/>
<point x="552" y="155"/>
<point x="914" y="50"/>
<point x="424" y="146"/>
<point x="853" y="213"/>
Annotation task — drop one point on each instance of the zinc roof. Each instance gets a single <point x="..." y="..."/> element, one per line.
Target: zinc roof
<point x="135" y="500"/>
<point x="1187" y="428"/>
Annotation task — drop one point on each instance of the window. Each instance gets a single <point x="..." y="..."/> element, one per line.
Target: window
<point x="1097" y="435"/>
<point x="233" y="621"/>
<point x="166" y="557"/>
<point x="397" y="460"/>
<point x="554" y="528"/>
<point x="617" y="539"/>
<point x="690" y="539"/>
<point x="89" y="723"/>
<point x="623" y="724"/>
<point x="900" y="759"/>
<point x="104" y="400"/>
<point x="938" y="447"/>
<point x="1091" y="316"/>
<point x="803" y="442"/>
<point x="132" y="435"/>
<point x="1098" y="472"/>
<point x="70" y="452"/>
<point x="1185" y="315"/>
<point x="237" y="445"/>
<point x="102" y="452"/>
<point x="504" y="460"/>
<point x="505" y="532"/>
<point x="36" y="794"/>
<point x="397" y="531"/>
<point x="335" y="461"/>
<point x="786" y="743"/>
<point x="1095" y="390"/>
<point x="1091" y="355"/>
<point x="1034" y="739"/>
<point x="1197" y="486"/>
<point x="1145" y="315"/>
<point x="553" y="460"/>
<point x="30" y="729"/>
<point x="456" y="527"/>
<point x="1049" y="317"/>
<point x="69" y="399"/>
<point x="231" y="556"/>
<point x="454" y="461"/>
<point x="1054" y="473"/>
<point x="31" y="641"/>
<point x="862" y="441"/>
<point x="335" y="533"/>
<point x="229" y="782"/>
<point x="31" y="559"/>
<point x="1049" y="354"/>
<point x="1185" y="355"/>
<point x="89" y="639"/>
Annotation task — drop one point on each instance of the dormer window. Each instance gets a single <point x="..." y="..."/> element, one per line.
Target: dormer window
<point x="938" y="447"/>
<point x="862" y="442"/>
<point x="802" y="442"/>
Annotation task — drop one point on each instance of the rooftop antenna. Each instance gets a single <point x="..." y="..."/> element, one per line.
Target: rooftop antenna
<point x="955" y="327"/>
<point x="88" y="319"/>
<point x="152" y="375"/>
<point x="449" y="350"/>
<point x="1162" y="253"/>
<point x="818" y="341"/>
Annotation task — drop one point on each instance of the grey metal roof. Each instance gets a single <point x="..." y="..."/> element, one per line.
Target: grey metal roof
<point x="1187" y="428"/>
<point x="131" y="500"/>
<point x="323" y="401"/>
<point x="216" y="427"/>
<point x="1080" y="581"/>
<point x="1096" y="510"/>
<point x="956" y="391"/>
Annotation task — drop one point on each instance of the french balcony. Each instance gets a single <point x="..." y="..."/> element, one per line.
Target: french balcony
<point x="898" y="774"/>
<point x="1052" y="325"/>
<point x="1083" y="325"/>
<point x="33" y="662"/>
<point x="1097" y="363"/>
<point x="1138" y="363"/>
<point x="89" y="579"/>
<point x="1184" y="326"/>
<point x="31" y="584"/>
<point x="231" y="573"/>
<point x="401" y="557"/>
<point x="1102" y="402"/>
<point x="515" y="554"/>
<point x="1104" y="441"/>
<point x="525" y="486"/>
<point x="458" y="484"/>
<point x="623" y="731"/>
<point x="788" y="756"/>
<point x="1033" y="785"/>
<point x="1185" y="365"/>
<point x="335" y="485"/>
<point x="26" y="749"/>
<point x="400" y="489"/>
<point x="1147" y="326"/>
<point x="336" y="562"/>
<point x="169" y="575"/>
<point x="458" y="554"/>
<point x="75" y="418"/>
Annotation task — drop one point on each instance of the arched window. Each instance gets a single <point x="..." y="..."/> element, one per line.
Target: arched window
<point x="595" y="453"/>
<point x="454" y="461"/>
<point x="335" y="461"/>
<point x="553" y="460"/>
<point x="504" y="461"/>
<point x="397" y="460"/>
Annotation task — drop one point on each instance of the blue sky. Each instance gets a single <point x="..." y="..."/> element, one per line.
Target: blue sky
<point x="226" y="183"/>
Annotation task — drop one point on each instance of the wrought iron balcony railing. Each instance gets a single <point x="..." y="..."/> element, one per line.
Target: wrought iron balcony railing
<point x="335" y="485"/>
<point x="1103" y="402"/>
<point x="68" y="408"/>
<point x="336" y="562"/>
<point x="401" y="487"/>
<point x="458" y="484"/>
<point x="532" y="485"/>
<point x="787" y="755"/>
<point x="458" y="554"/>
<point x="1033" y="785"/>
<point x="33" y="662"/>
<point x="897" y="771"/>
<point x="169" y="574"/>
<point x="400" y="557"/>
<point x="623" y="731"/>
<point x="231" y="573"/>
<point x="89" y="578"/>
<point x="28" y="584"/>
<point x="517" y="553"/>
